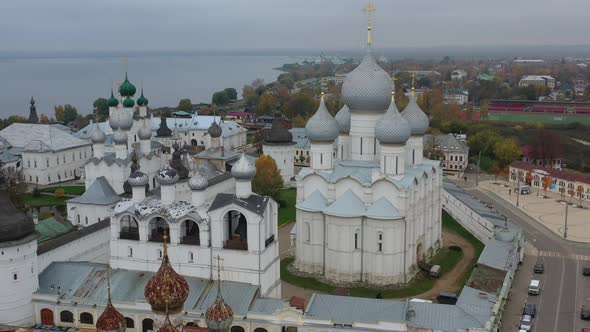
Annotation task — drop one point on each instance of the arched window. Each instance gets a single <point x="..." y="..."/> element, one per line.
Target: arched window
<point x="380" y="242"/>
<point x="237" y="328"/>
<point x="356" y="240"/>
<point x="147" y="325"/>
<point x="157" y="226"/>
<point x="189" y="233"/>
<point x="307" y="232"/>
<point x="235" y="228"/>
<point x="129" y="228"/>
<point x="66" y="316"/>
<point x="260" y="329"/>
<point x="86" y="318"/>
<point x="130" y="323"/>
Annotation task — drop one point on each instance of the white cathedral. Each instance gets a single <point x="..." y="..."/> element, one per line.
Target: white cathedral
<point x="372" y="213"/>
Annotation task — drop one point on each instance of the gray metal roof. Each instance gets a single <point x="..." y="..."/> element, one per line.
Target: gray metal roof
<point x="343" y="119"/>
<point x="254" y="203"/>
<point x="348" y="310"/>
<point x="440" y="317"/>
<point x="449" y="143"/>
<point x="322" y="127"/>
<point x="85" y="282"/>
<point x="315" y="202"/>
<point x="40" y="137"/>
<point x="215" y="153"/>
<point x="300" y="138"/>
<point x="383" y="209"/>
<point x="100" y="192"/>
<point x="477" y="303"/>
<point x="266" y="306"/>
<point x="497" y="254"/>
<point x="347" y="205"/>
<point x="237" y="295"/>
<point x="64" y="239"/>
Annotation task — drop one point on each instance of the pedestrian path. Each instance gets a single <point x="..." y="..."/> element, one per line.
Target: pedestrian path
<point x="580" y="258"/>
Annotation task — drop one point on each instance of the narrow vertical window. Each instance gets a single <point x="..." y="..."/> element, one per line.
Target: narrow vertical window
<point x="396" y="165"/>
<point x="413" y="157"/>
<point x="321" y="158"/>
<point x="361" y="146"/>
<point x="356" y="240"/>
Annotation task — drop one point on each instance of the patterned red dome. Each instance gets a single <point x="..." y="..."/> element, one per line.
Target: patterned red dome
<point x="111" y="320"/>
<point x="166" y="287"/>
<point x="219" y="315"/>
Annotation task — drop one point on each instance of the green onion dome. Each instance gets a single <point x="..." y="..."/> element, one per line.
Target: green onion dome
<point x="128" y="102"/>
<point x="127" y="89"/>
<point x="112" y="102"/>
<point x="142" y="101"/>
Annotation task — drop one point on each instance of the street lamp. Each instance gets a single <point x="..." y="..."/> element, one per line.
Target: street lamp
<point x="565" y="226"/>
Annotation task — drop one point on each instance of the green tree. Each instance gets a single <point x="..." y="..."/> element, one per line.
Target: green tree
<point x="299" y="104"/>
<point x="286" y="79"/>
<point x="220" y="98"/>
<point x="70" y="114"/>
<point x="268" y="180"/>
<point x="231" y="93"/>
<point x="299" y="121"/>
<point x="506" y="151"/>
<point x="266" y="104"/>
<point x="185" y="105"/>
<point x="101" y="109"/>
<point x="484" y="142"/>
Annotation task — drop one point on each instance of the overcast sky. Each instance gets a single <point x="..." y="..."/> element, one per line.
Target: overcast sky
<point x="138" y="25"/>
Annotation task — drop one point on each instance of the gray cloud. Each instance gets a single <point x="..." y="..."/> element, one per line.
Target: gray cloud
<point x="137" y="25"/>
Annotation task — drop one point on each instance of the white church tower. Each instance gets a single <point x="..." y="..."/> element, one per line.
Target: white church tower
<point x="279" y="145"/>
<point x="18" y="264"/>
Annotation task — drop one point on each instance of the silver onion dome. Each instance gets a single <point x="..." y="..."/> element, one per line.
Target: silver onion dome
<point x="198" y="182"/>
<point x="343" y="119"/>
<point x="120" y="137"/>
<point x="126" y="119"/>
<point x="167" y="176"/>
<point x="322" y="127"/>
<point x="392" y="128"/>
<point x="416" y="118"/>
<point x="138" y="179"/>
<point x="98" y="136"/>
<point x="145" y="132"/>
<point x="367" y="87"/>
<point x="243" y="169"/>
<point x="114" y="120"/>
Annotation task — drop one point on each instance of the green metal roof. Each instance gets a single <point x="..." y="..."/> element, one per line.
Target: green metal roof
<point x="51" y="227"/>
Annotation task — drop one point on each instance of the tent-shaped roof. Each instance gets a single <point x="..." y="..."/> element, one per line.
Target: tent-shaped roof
<point x="100" y="192"/>
<point x="314" y="203"/>
<point x="383" y="209"/>
<point x="347" y="205"/>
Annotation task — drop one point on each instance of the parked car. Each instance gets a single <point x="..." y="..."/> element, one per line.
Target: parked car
<point x="530" y="309"/>
<point x="526" y="323"/>
<point x="586" y="271"/>
<point x="539" y="267"/>
<point x="535" y="287"/>
<point x="585" y="313"/>
<point x="435" y="271"/>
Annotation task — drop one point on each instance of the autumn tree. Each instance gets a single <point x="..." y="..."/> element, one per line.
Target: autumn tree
<point x="66" y="113"/>
<point x="528" y="178"/>
<point x="43" y="118"/>
<point x="59" y="113"/>
<point x="580" y="192"/>
<point x="299" y="121"/>
<point x="268" y="180"/>
<point x="547" y="146"/>
<point x="546" y="183"/>
<point x="496" y="170"/>
<point x="299" y="104"/>
<point x="506" y="151"/>
<point x="266" y="104"/>
<point x="185" y="105"/>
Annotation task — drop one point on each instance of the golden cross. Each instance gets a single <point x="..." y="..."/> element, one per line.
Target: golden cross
<point x="413" y="83"/>
<point x="370" y="9"/>
<point x="393" y="79"/>
<point x="219" y="260"/>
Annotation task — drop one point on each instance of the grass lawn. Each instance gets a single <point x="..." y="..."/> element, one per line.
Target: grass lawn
<point x="68" y="190"/>
<point x="287" y="208"/>
<point x="446" y="258"/>
<point x="43" y="200"/>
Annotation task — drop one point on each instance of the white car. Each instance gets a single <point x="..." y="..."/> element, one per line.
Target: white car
<point x="526" y="323"/>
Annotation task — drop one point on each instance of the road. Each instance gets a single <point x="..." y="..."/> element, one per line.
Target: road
<point x="563" y="287"/>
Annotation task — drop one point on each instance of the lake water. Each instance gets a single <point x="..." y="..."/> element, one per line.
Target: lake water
<point x="166" y="78"/>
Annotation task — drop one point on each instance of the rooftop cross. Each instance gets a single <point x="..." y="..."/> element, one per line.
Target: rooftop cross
<point x="393" y="79"/>
<point x="219" y="260"/>
<point x="413" y="84"/>
<point x="370" y="9"/>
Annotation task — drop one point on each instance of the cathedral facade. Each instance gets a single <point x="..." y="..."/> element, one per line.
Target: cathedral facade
<point x="372" y="213"/>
